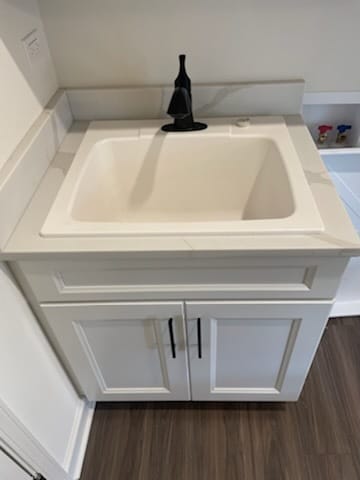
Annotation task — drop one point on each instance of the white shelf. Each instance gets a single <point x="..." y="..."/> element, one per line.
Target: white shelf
<point x="339" y="151"/>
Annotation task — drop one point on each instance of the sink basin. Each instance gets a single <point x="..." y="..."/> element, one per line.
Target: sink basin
<point x="130" y="178"/>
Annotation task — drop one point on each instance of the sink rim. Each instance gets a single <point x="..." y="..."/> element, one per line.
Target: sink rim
<point x="304" y="219"/>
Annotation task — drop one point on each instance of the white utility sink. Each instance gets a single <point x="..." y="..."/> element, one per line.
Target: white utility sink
<point x="130" y="178"/>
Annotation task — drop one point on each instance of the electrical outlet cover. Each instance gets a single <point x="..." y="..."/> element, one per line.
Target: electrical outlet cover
<point x="32" y="46"/>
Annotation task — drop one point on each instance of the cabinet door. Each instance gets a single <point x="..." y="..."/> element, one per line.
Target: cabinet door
<point x="252" y="350"/>
<point x="9" y="470"/>
<point x="124" y="351"/>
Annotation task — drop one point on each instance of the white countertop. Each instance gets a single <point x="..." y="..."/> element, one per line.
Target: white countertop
<point x="338" y="237"/>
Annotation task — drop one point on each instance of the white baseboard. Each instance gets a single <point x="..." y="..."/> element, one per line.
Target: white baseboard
<point x="345" y="309"/>
<point x="79" y="439"/>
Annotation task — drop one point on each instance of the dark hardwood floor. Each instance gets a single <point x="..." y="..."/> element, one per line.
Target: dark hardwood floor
<point x="317" y="438"/>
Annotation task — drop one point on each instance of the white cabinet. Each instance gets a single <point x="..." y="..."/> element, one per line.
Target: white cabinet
<point x="207" y="277"/>
<point x="238" y="351"/>
<point x="124" y="351"/>
<point x="252" y="350"/>
<point x="9" y="469"/>
<point x="255" y="323"/>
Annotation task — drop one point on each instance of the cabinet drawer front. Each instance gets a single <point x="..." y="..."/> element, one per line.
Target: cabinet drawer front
<point x="162" y="279"/>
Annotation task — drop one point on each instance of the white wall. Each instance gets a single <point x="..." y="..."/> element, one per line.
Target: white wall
<point x="135" y="42"/>
<point x="24" y="89"/>
<point x="33" y="385"/>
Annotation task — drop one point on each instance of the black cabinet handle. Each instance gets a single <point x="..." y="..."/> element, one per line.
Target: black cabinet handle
<point x="199" y="337"/>
<point x="172" y="340"/>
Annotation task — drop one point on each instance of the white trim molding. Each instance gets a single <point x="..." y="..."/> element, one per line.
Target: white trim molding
<point x="346" y="309"/>
<point x="79" y="438"/>
<point x="20" y="440"/>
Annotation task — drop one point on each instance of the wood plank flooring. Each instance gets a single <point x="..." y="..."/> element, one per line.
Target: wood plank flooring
<point x="317" y="438"/>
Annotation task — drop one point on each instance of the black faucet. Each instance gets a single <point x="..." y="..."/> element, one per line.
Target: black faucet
<point x="180" y="107"/>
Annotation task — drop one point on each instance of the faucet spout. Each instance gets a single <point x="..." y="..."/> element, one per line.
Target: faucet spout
<point x="180" y="107"/>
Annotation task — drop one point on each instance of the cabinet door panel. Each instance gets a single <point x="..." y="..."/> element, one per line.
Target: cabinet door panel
<point x="249" y="352"/>
<point x="123" y="351"/>
<point x="252" y="350"/>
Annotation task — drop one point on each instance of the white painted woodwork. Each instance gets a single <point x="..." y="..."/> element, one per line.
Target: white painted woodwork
<point x="18" y="438"/>
<point x="9" y="470"/>
<point x="168" y="278"/>
<point x="253" y="351"/>
<point x="347" y="300"/>
<point x="123" y="351"/>
<point x="40" y="412"/>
